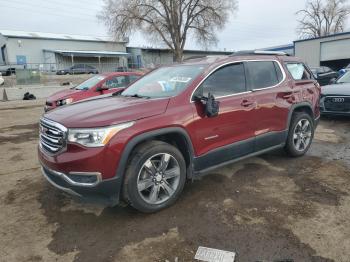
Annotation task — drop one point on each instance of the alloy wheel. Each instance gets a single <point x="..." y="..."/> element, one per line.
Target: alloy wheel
<point x="302" y="135"/>
<point x="158" y="178"/>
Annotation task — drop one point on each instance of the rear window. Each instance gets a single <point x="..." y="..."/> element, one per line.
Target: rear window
<point x="298" y="71"/>
<point x="264" y="74"/>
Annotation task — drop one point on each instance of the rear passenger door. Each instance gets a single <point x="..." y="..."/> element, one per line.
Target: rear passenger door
<point x="272" y="94"/>
<point x="230" y="134"/>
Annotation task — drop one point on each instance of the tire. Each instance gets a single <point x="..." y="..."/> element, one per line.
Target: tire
<point x="301" y="132"/>
<point x="146" y="186"/>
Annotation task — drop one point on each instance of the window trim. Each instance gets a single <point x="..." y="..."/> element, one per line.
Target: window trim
<point x="278" y="83"/>
<point x="245" y="71"/>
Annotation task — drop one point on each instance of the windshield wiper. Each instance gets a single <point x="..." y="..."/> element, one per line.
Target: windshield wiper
<point x="117" y="93"/>
<point x="137" y="96"/>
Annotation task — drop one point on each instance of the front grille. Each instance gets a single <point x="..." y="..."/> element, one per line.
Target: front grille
<point x="337" y="104"/>
<point x="52" y="136"/>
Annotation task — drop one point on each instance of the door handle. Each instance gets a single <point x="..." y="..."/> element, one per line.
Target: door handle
<point x="247" y="103"/>
<point x="288" y="96"/>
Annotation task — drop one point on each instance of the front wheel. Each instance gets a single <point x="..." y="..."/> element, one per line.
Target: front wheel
<point x="301" y="133"/>
<point x="155" y="177"/>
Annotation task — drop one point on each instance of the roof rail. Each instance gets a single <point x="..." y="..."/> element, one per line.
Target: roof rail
<point x="259" y="52"/>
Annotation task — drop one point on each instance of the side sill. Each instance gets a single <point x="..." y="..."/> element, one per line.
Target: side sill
<point x="209" y="169"/>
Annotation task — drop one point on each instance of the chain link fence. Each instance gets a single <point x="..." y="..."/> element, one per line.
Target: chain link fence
<point x="57" y="74"/>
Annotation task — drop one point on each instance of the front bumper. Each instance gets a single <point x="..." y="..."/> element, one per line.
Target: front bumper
<point x="100" y="191"/>
<point x="334" y="113"/>
<point x="335" y="109"/>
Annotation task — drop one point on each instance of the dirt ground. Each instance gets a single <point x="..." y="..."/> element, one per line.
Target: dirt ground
<point x="268" y="208"/>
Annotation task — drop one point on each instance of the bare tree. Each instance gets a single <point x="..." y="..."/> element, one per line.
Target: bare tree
<point x="322" y="17"/>
<point x="170" y="21"/>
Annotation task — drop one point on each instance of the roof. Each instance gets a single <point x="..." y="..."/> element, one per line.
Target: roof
<point x="42" y="35"/>
<point x="88" y="53"/>
<point x="322" y="37"/>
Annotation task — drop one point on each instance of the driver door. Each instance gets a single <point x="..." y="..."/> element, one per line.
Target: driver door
<point x="230" y="134"/>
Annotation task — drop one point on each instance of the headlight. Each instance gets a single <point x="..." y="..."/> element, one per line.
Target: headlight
<point x="64" y="101"/>
<point x="95" y="137"/>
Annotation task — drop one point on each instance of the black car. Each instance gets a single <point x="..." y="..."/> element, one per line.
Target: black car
<point x="78" y="69"/>
<point x="324" y="75"/>
<point x="335" y="98"/>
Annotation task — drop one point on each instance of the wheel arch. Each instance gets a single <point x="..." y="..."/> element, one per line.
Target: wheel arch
<point x="300" y="107"/>
<point x="173" y="135"/>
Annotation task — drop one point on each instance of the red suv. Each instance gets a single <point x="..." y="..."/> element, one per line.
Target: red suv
<point x="179" y="122"/>
<point x="94" y="86"/>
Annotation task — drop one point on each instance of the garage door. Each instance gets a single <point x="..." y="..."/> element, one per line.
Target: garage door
<point x="335" y="50"/>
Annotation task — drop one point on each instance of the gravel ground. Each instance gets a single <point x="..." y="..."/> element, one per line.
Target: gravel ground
<point x="268" y="208"/>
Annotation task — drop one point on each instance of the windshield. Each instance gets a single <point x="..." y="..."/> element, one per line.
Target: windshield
<point x="91" y="82"/>
<point x="344" y="79"/>
<point x="164" y="82"/>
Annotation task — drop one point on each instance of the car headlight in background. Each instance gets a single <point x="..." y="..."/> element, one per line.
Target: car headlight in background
<point x="64" y="102"/>
<point x="95" y="137"/>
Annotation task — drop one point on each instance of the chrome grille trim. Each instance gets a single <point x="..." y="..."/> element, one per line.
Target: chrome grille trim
<point x="52" y="137"/>
<point x="331" y="106"/>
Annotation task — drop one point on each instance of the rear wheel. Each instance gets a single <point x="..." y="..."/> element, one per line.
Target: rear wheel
<point x="301" y="133"/>
<point x="155" y="177"/>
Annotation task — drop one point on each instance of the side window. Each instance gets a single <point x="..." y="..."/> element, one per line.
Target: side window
<point x="115" y="82"/>
<point x="298" y="71"/>
<point x="225" y="81"/>
<point x="263" y="74"/>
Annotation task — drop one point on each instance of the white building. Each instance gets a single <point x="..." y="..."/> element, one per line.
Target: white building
<point x="50" y="51"/>
<point x="332" y="51"/>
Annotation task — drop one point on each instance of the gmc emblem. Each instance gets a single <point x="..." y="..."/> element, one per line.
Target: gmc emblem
<point x="338" y="100"/>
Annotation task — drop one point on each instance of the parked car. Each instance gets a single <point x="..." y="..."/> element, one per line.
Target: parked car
<point x="324" y="74"/>
<point x="177" y="123"/>
<point x="78" y="69"/>
<point x="335" y="98"/>
<point x="95" y="86"/>
<point x="2" y="81"/>
<point x="7" y="70"/>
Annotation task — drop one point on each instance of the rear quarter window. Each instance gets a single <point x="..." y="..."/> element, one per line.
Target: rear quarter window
<point x="298" y="71"/>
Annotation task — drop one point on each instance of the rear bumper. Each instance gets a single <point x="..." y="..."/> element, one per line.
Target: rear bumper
<point x="105" y="192"/>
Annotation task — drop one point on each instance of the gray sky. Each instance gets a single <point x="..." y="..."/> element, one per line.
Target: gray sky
<point x="257" y="23"/>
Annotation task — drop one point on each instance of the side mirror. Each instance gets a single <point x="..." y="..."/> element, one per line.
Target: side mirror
<point x="211" y="105"/>
<point x="102" y="88"/>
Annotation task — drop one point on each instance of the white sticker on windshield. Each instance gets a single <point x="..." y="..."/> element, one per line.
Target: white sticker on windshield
<point x="180" y="79"/>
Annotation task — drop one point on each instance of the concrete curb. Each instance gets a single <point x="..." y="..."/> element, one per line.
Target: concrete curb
<point x="17" y="93"/>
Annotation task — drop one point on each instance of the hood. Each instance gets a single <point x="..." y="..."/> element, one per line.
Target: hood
<point x="336" y="89"/>
<point x="63" y="94"/>
<point x="107" y="111"/>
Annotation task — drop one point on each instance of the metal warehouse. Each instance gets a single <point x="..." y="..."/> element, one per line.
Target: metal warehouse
<point x="48" y="51"/>
<point x="332" y="51"/>
<point x="148" y="56"/>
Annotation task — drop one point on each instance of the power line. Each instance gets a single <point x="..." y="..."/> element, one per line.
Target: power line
<point x="71" y="4"/>
<point x="48" y="13"/>
<point x="45" y="7"/>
